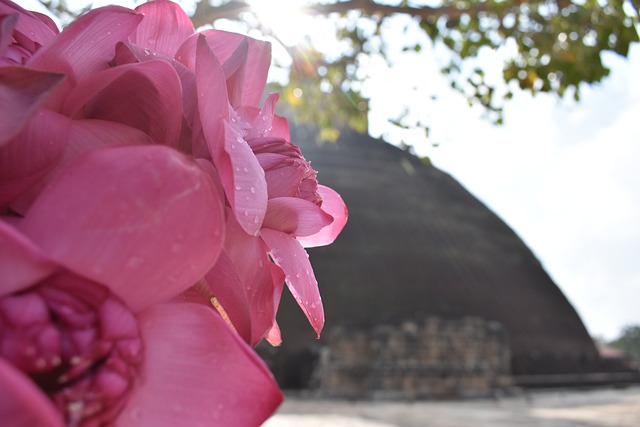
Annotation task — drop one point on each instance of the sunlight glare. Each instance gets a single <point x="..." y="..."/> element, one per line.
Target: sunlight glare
<point x="285" y="18"/>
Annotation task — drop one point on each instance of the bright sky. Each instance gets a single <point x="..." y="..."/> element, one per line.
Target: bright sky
<point x="563" y="175"/>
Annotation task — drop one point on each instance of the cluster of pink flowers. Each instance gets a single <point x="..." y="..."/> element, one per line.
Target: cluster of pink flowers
<point x="150" y="214"/>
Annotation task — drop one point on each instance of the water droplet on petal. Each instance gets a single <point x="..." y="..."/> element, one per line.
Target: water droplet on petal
<point x="253" y="190"/>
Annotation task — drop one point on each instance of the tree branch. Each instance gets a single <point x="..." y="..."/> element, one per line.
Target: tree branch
<point x="206" y="14"/>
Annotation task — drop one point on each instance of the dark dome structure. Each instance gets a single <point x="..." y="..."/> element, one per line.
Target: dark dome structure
<point x="418" y="244"/>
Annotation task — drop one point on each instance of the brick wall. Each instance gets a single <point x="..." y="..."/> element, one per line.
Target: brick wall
<point x="435" y="358"/>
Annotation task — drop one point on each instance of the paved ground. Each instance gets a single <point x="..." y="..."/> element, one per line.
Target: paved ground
<point x="596" y="408"/>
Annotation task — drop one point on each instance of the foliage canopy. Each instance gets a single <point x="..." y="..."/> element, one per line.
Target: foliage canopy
<point x="551" y="46"/>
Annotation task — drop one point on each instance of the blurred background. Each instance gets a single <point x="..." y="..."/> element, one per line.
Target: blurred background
<point x="487" y="153"/>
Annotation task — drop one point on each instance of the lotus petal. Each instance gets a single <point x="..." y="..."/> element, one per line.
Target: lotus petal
<point x="21" y="262"/>
<point x="333" y="204"/>
<point x="143" y="220"/>
<point x="86" y="46"/>
<point x="295" y="216"/>
<point x="32" y="153"/>
<point x="164" y="27"/>
<point x="206" y="377"/>
<point x="22" y="91"/>
<point x="287" y="253"/>
<point x="261" y="279"/>
<point x="226" y="285"/>
<point x="257" y="65"/>
<point x="30" y="30"/>
<point x="22" y="403"/>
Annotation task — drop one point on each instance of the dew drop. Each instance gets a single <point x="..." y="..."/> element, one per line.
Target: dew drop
<point x="233" y="146"/>
<point x="253" y="190"/>
<point x="246" y="213"/>
<point x="256" y="219"/>
<point x="238" y="187"/>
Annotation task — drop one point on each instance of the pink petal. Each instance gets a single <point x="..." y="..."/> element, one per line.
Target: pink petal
<point x="234" y="70"/>
<point x="205" y="377"/>
<point x="21" y="262"/>
<point x="164" y="27"/>
<point x="141" y="95"/>
<point x="213" y="103"/>
<point x="282" y="174"/>
<point x="274" y="337"/>
<point x="32" y="153"/>
<point x="7" y="24"/>
<point x="143" y="220"/>
<point x="288" y="254"/>
<point x="280" y="128"/>
<point x="22" y="403"/>
<point x="87" y="45"/>
<point x="227" y="286"/>
<point x="333" y="204"/>
<point x="244" y="181"/>
<point x="84" y="135"/>
<point x="22" y="92"/>
<point x="260" y="278"/>
<point x="240" y="173"/>
<point x="30" y="29"/>
<point x="263" y="123"/>
<point x="295" y="216"/>
<point x="257" y="64"/>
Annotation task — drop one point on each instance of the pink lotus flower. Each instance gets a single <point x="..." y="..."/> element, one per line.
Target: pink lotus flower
<point x="139" y="176"/>
<point x="89" y="334"/>
<point x="125" y="87"/>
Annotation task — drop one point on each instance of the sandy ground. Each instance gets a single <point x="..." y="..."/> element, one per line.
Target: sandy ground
<point x="594" y="408"/>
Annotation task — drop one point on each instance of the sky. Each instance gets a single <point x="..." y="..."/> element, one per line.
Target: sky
<point x="562" y="175"/>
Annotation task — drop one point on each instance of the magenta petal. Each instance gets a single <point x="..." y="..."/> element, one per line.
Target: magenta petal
<point x="88" y="44"/>
<point x="84" y="135"/>
<point x="333" y="204"/>
<point x="7" y="24"/>
<point x="263" y="123"/>
<point x="32" y="153"/>
<point x="30" y="30"/>
<point x="22" y="92"/>
<point x="288" y="254"/>
<point x="144" y="220"/>
<point x="234" y="70"/>
<point x="262" y="280"/>
<point x="164" y="27"/>
<point x="227" y="286"/>
<point x="141" y="95"/>
<point x="257" y="64"/>
<point x="21" y="262"/>
<point x="198" y="372"/>
<point x="244" y="181"/>
<point x="22" y="403"/>
<point x="213" y="102"/>
<point x="295" y="216"/>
